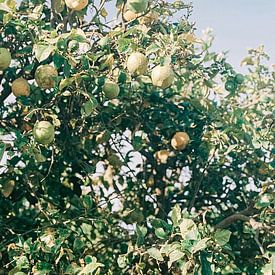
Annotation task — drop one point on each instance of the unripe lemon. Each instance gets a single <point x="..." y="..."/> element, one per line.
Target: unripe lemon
<point x="110" y="89"/>
<point x="137" y="5"/>
<point x="44" y="76"/>
<point x="5" y="58"/>
<point x="129" y="15"/>
<point x="20" y="87"/>
<point x="137" y="64"/>
<point x="162" y="76"/>
<point x="149" y="18"/>
<point x="58" y="5"/>
<point x="76" y="5"/>
<point x="180" y="140"/>
<point x="43" y="132"/>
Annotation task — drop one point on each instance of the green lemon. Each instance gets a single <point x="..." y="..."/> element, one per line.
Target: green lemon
<point x="5" y="58"/>
<point x="110" y="89"/>
<point x="43" y="132"/>
<point x="45" y="76"/>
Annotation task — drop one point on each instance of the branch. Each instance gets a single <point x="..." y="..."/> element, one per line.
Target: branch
<point x="197" y="187"/>
<point x="242" y="216"/>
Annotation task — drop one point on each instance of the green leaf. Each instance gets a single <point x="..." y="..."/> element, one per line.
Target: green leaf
<point x="200" y="245"/>
<point x="42" y="51"/>
<point x="2" y="150"/>
<point x="152" y="49"/>
<point x="141" y="232"/>
<point x="158" y="223"/>
<point x="205" y="265"/>
<point x="222" y="237"/>
<point x="175" y="256"/>
<point x="155" y="253"/>
<point x="160" y="233"/>
<point x="176" y="215"/>
<point x="89" y="106"/>
<point x="66" y="82"/>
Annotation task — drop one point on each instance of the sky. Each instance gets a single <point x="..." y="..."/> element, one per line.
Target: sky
<point x="237" y="25"/>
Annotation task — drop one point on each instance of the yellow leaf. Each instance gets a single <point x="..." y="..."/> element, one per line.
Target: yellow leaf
<point x="103" y="13"/>
<point x="7" y="188"/>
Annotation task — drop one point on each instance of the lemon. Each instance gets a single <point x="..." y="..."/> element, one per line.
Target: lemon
<point x="43" y="132"/>
<point x="137" y="64"/>
<point x="110" y="89"/>
<point x="5" y="58"/>
<point x="76" y="5"/>
<point x="162" y="76"/>
<point x="129" y="15"/>
<point x="20" y="87"/>
<point x="180" y="140"/>
<point x="44" y="76"/>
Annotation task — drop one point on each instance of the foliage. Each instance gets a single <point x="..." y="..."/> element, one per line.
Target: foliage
<point x="108" y="192"/>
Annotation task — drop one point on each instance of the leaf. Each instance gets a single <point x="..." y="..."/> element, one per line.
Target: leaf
<point x="155" y="253"/>
<point x="122" y="261"/>
<point x="42" y="51"/>
<point x="4" y="7"/>
<point x="152" y="48"/>
<point x="175" y="256"/>
<point x="66" y="82"/>
<point x="141" y="232"/>
<point x="90" y="268"/>
<point x="200" y="245"/>
<point x="2" y="150"/>
<point x="89" y="106"/>
<point x="205" y="265"/>
<point x="7" y="188"/>
<point x="158" y="223"/>
<point x="222" y="237"/>
<point x="160" y="233"/>
<point x="176" y="215"/>
<point x="188" y="230"/>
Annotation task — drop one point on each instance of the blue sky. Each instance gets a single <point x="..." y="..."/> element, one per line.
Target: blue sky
<point x="237" y="25"/>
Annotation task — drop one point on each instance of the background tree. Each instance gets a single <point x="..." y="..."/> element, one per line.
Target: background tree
<point x="131" y="147"/>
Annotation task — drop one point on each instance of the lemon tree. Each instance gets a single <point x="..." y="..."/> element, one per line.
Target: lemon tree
<point x="130" y="146"/>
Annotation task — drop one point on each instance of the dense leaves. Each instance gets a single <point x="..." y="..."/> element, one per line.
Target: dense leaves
<point x="152" y="155"/>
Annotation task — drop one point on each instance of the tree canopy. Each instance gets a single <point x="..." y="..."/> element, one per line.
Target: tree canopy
<point x="129" y="146"/>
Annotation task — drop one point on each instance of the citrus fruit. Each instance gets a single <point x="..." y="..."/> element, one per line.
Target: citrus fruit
<point x="129" y="15"/>
<point x="43" y="132"/>
<point x="149" y="18"/>
<point x="20" y="87"/>
<point x="58" y="5"/>
<point x="162" y="76"/>
<point x="137" y="5"/>
<point x="5" y="58"/>
<point x="180" y="140"/>
<point x="137" y="64"/>
<point x="44" y="76"/>
<point x="76" y="5"/>
<point x="162" y="156"/>
<point x="110" y="89"/>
